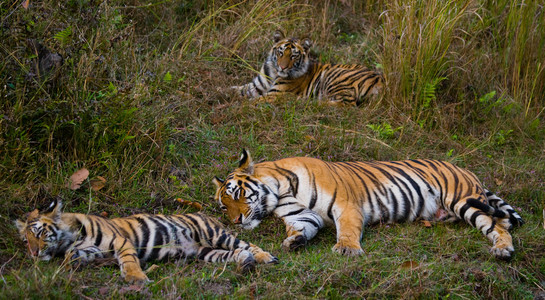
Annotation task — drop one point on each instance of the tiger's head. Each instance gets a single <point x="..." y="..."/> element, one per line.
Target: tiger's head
<point x="40" y="231"/>
<point x="243" y="197"/>
<point x="289" y="56"/>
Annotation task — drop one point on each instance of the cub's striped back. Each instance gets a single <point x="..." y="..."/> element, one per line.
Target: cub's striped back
<point x="288" y="69"/>
<point x="133" y="240"/>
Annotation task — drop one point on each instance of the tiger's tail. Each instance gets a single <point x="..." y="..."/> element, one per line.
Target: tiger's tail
<point x="498" y="208"/>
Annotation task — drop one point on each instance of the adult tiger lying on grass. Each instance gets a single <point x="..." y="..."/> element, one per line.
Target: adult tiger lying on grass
<point x="307" y="192"/>
<point x="135" y="239"/>
<point x="288" y="68"/>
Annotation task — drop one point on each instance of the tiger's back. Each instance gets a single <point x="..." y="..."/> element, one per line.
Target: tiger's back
<point x="338" y="84"/>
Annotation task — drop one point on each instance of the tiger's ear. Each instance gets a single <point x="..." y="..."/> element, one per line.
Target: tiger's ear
<point x="54" y="210"/>
<point x="218" y="182"/>
<point x="307" y="43"/>
<point x="246" y="164"/>
<point x="20" y="225"/>
<point x="278" y="35"/>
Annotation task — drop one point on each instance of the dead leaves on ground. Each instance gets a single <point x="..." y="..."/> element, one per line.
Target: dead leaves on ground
<point x="409" y="265"/>
<point x="98" y="183"/>
<point x="426" y="223"/>
<point x="76" y="180"/>
<point x="189" y="203"/>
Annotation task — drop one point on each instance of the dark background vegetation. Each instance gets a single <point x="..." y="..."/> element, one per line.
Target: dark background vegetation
<point x="137" y="92"/>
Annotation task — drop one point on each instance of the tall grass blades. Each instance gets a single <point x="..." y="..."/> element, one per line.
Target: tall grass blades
<point x="417" y="37"/>
<point x="525" y="64"/>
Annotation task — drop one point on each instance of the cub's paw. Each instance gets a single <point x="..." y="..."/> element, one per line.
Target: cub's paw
<point x="77" y="258"/>
<point x="265" y="258"/>
<point x="247" y="265"/>
<point x="352" y="250"/>
<point x="136" y="277"/>
<point x="503" y="253"/>
<point x="294" y="242"/>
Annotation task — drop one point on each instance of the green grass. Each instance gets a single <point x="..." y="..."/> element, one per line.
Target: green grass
<point x="141" y="99"/>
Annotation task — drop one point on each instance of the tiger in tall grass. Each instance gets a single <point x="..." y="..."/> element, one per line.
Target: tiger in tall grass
<point x="308" y="193"/>
<point x="132" y="240"/>
<point x="289" y="69"/>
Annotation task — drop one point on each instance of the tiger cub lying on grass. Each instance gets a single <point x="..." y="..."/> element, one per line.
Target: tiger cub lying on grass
<point x="135" y="239"/>
<point x="288" y="68"/>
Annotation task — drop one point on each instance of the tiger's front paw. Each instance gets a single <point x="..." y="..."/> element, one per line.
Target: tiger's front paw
<point x="349" y="250"/>
<point x="77" y="258"/>
<point x="137" y="277"/>
<point x="247" y="265"/>
<point x="294" y="242"/>
<point x="502" y="252"/>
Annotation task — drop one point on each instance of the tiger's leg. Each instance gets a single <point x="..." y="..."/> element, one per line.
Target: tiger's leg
<point x="127" y="257"/>
<point x="226" y="240"/>
<point x="258" y="87"/>
<point x="84" y="255"/>
<point x="86" y="251"/>
<point x="243" y="258"/>
<point x="349" y="222"/>
<point x="502" y="244"/>
<point x="302" y="224"/>
<point x="347" y="98"/>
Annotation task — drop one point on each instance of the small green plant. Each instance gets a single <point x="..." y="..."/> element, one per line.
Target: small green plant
<point x="384" y="130"/>
<point x="502" y="136"/>
<point x="429" y="92"/>
<point x="167" y="78"/>
<point x="64" y="36"/>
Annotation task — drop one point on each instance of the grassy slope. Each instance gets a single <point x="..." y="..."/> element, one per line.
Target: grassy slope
<point x="140" y="100"/>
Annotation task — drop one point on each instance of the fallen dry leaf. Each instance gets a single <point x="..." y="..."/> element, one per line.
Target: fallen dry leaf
<point x="75" y="181"/>
<point x="189" y="203"/>
<point x="498" y="181"/>
<point x="103" y="291"/>
<point x="104" y="214"/>
<point x="130" y="288"/>
<point x="196" y="205"/>
<point x="98" y="183"/>
<point x="426" y="223"/>
<point x="410" y="264"/>
<point x="25" y="4"/>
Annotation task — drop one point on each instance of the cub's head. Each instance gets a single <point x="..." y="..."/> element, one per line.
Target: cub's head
<point x="289" y="56"/>
<point x="40" y="231"/>
<point x="243" y="197"/>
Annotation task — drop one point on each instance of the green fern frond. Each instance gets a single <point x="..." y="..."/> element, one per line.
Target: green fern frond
<point x="64" y="36"/>
<point x="429" y="90"/>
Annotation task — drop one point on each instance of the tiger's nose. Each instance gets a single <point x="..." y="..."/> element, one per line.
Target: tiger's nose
<point x="238" y="220"/>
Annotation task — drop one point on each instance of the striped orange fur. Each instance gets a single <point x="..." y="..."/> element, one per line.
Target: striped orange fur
<point x="288" y="69"/>
<point x="308" y="193"/>
<point x="134" y="240"/>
